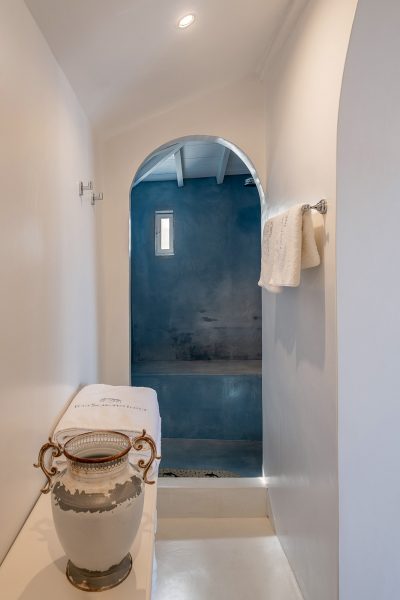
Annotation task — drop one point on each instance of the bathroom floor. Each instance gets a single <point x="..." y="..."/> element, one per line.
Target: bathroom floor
<point x="242" y="458"/>
<point x="221" y="559"/>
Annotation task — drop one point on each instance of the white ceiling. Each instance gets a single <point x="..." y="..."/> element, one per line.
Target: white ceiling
<point x="199" y="159"/>
<point x="127" y="59"/>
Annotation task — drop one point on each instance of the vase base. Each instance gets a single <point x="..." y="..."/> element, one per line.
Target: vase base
<point x="99" y="581"/>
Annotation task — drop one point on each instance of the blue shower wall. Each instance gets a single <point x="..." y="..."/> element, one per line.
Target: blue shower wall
<point x="202" y="303"/>
<point x="203" y="406"/>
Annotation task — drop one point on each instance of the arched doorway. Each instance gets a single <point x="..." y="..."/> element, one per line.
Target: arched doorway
<point x="195" y="305"/>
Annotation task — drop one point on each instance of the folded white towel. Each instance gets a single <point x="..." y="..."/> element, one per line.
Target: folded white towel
<point x="117" y="408"/>
<point x="288" y="245"/>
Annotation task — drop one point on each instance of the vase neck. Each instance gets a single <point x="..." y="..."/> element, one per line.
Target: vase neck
<point x="90" y="471"/>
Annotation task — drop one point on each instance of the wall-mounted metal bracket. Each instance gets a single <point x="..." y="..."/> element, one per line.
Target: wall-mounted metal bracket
<point x="96" y="198"/>
<point x="321" y="207"/>
<point x="83" y="188"/>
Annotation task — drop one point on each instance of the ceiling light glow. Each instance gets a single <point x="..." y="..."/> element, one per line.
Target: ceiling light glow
<point x="185" y="21"/>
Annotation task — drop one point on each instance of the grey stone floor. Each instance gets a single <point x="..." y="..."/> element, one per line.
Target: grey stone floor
<point x="241" y="457"/>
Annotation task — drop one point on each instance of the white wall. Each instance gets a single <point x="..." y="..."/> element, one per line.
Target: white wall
<point x="235" y="113"/>
<point x="47" y="261"/>
<point x="299" y="325"/>
<point x="368" y="306"/>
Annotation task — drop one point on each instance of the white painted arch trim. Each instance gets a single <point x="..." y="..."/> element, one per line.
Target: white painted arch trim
<point x="178" y="142"/>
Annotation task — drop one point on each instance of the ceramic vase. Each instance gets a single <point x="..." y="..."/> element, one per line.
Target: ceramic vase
<point x="97" y="504"/>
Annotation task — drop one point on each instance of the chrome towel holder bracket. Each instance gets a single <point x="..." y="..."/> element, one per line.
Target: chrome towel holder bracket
<point x="89" y="188"/>
<point x="321" y="207"/>
<point x="96" y="198"/>
<point x="83" y="188"/>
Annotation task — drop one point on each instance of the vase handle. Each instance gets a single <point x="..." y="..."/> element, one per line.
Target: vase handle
<point x="50" y="471"/>
<point x="137" y="444"/>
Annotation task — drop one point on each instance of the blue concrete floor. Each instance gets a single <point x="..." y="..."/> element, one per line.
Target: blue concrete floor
<point x="239" y="456"/>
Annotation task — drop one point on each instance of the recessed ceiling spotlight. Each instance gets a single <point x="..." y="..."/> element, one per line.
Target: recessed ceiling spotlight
<point x="186" y="21"/>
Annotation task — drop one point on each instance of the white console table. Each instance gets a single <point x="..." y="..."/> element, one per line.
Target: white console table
<point x="34" y="568"/>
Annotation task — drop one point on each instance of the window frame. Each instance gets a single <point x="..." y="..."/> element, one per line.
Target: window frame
<point x="158" y="216"/>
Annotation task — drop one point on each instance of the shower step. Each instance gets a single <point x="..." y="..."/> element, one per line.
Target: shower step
<point x="212" y="498"/>
<point x="240" y="458"/>
<point x="198" y="400"/>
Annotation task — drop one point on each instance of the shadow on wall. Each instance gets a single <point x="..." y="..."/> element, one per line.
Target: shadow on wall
<point x="305" y="334"/>
<point x="202" y="303"/>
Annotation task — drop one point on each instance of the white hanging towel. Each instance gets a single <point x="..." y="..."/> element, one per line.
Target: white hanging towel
<point x="288" y="245"/>
<point x="117" y="408"/>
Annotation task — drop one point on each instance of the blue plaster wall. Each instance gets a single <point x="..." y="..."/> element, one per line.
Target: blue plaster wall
<point x="201" y="406"/>
<point x="203" y="303"/>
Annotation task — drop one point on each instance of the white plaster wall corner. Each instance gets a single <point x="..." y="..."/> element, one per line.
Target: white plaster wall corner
<point x="48" y="342"/>
<point x="303" y="85"/>
<point x="368" y="254"/>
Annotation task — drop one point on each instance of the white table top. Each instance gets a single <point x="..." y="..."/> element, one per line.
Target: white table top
<point x="34" y="568"/>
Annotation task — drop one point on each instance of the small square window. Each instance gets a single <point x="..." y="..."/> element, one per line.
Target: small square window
<point x="164" y="232"/>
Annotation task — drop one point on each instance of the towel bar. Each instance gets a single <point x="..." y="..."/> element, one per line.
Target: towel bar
<point x="321" y="207"/>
